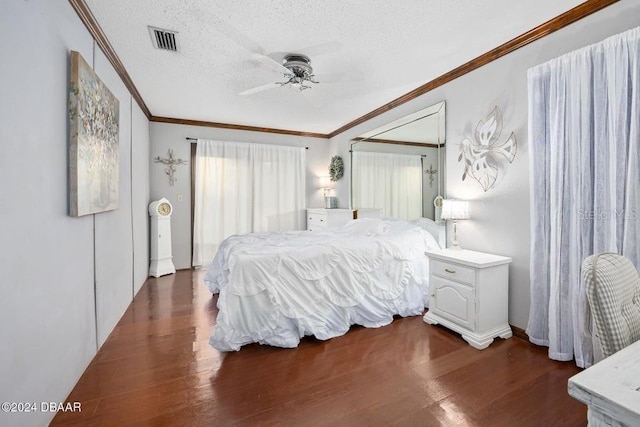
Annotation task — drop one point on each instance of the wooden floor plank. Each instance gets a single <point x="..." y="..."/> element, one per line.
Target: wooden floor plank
<point x="157" y="368"/>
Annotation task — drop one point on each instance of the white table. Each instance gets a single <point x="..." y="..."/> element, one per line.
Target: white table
<point x="611" y="389"/>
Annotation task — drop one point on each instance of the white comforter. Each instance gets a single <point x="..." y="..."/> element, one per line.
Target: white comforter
<point x="278" y="287"/>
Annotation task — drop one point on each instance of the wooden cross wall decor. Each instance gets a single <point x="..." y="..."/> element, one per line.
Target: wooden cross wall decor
<point x="171" y="163"/>
<point x="431" y="171"/>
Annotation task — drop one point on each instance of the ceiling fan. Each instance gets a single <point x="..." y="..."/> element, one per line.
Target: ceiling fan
<point x="297" y="71"/>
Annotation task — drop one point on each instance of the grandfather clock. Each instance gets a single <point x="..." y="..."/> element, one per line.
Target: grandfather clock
<point x="161" y="258"/>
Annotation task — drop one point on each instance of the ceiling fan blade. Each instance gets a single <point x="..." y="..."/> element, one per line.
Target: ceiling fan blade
<point x="271" y="63"/>
<point x="259" y="89"/>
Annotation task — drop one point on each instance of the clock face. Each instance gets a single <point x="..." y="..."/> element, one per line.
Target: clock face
<point x="164" y="209"/>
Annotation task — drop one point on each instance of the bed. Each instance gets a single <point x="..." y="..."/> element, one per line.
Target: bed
<point x="276" y="287"/>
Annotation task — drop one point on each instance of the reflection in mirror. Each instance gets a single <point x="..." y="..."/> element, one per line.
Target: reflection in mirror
<point x="399" y="167"/>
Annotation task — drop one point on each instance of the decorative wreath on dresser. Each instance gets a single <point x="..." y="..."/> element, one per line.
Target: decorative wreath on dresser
<point x="336" y="168"/>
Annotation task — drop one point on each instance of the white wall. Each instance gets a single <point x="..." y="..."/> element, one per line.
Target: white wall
<point x="140" y="195"/>
<point x="500" y="217"/>
<point x="165" y="136"/>
<point x="47" y="306"/>
<point x="114" y="243"/>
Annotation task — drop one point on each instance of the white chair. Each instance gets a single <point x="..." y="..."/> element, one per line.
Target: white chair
<point x="613" y="292"/>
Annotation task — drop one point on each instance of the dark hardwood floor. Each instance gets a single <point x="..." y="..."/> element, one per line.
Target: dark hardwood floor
<point x="157" y="368"/>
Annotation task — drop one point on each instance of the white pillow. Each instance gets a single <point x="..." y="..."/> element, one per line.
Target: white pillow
<point x="427" y="224"/>
<point x="399" y="227"/>
<point x="366" y="227"/>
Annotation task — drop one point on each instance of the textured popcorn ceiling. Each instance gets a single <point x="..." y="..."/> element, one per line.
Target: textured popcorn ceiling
<point x="388" y="47"/>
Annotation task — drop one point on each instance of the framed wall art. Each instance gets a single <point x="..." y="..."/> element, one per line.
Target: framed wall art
<point x="94" y="169"/>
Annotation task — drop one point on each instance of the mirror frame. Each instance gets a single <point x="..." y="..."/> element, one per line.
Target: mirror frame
<point x="402" y="122"/>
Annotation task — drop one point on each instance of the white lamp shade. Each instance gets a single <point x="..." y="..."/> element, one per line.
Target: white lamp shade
<point x="455" y="209"/>
<point x="325" y="182"/>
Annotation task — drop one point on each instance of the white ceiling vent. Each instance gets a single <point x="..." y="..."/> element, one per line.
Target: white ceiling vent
<point x="164" y="39"/>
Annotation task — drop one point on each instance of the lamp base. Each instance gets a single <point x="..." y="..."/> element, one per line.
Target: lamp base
<point x="330" y="202"/>
<point x="455" y="245"/>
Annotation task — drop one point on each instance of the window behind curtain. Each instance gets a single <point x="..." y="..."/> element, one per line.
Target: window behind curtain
<point x="243" y="188"/>
<point x="389" y="181"/>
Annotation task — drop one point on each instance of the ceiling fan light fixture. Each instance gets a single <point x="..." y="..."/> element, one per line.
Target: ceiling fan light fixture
<point x="300" y="71"/>
<point x="296" y="70"/>
<point x="298" y="64"/>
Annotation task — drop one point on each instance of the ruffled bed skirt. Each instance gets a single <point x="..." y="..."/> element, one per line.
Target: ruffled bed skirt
<point x="259" y="318"/>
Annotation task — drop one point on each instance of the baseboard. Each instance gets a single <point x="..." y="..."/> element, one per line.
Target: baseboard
<point x="519" y="333"/>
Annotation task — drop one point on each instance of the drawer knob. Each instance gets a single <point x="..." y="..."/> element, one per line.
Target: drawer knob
<point x="322" y="220"/>
<point x="449" y="271"/>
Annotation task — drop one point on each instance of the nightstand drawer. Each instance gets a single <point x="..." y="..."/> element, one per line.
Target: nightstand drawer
<point x="316" y="221"/>
<point x="454" y="272"/>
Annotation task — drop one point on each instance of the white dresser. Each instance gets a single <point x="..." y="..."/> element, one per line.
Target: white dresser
<point x="611" y="389"/>
<point x="319" y="218"/>
<point x="469" y="294"/>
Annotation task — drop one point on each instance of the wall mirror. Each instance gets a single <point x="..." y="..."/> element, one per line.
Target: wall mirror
<point x="399" y="167"/>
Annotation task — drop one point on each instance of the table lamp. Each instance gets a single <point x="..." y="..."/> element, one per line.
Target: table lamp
<point x="330" y="202"/>
<point x="455" y="210"/>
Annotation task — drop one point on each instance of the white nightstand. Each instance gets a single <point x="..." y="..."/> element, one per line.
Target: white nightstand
<point x="318" y="219"/>
<point x="469" y="294"/>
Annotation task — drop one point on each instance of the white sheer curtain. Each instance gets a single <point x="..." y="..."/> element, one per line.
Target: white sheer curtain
<point x="389" y="181"/>
<point x="584" y="118"/>
<point x="279" y="188"/>
<point x="242" y="188"/>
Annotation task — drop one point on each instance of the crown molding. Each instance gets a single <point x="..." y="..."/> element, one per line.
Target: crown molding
<point x="393" y="141"/>
<point x="582" y="10"/>
<point x="551" y="26"/>
<point x="98" y="35"/>
<point x="235" y="127"/>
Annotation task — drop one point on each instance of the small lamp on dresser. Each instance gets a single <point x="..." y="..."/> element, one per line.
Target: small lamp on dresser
<point x="455" y="210"/>
<point x="330" y="202"/>
<point x="325" y="184"/>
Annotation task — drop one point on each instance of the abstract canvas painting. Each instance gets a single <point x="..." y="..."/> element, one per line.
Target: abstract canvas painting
<point x="94" y="170"/>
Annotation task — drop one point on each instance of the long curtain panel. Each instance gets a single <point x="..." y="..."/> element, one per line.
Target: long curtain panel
<point x="584" y="118"/>
<point x="389" y="181"/>
<point x="279" y="188"/>
<point x="242" y="188"/>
